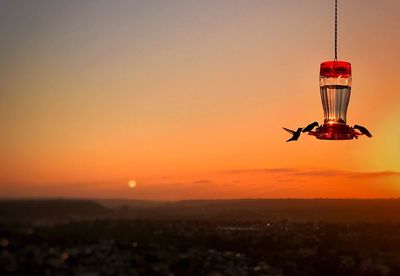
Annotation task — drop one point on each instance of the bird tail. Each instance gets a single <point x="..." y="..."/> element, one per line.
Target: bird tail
<point x="289" y="130"/>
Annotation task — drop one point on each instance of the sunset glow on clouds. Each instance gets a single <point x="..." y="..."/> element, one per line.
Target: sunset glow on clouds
<point x="188" y="98"/>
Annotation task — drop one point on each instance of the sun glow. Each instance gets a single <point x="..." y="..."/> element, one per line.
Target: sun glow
<point x="132" y="183"/>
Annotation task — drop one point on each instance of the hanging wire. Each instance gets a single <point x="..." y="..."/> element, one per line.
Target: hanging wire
<point x="336" y="30"/>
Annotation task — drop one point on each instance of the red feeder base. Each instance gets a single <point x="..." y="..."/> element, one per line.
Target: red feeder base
<point x="334" y="132"/>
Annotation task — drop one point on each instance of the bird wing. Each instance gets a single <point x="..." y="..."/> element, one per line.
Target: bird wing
<point x="363" y="130"/>
<point x="289" y="130"/>
<point x="366" y="132"/>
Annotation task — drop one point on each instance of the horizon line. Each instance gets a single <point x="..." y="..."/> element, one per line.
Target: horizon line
<point x="193" y="199"/>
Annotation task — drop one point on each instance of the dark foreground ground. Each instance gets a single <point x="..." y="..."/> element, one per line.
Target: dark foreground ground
<point x="139" y="238"/>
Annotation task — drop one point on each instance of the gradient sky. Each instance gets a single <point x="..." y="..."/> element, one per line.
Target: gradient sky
<point x="188" y="98"/>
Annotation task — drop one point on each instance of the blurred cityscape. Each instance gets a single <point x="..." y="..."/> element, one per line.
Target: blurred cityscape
<point x="210" y="237"/>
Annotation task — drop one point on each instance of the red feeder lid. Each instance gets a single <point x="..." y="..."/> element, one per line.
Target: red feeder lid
<point x="335" y="69"/>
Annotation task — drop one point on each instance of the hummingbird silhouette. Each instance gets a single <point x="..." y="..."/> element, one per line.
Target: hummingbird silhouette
<point x="296" y="134"/>
<point x="363" y="130"/>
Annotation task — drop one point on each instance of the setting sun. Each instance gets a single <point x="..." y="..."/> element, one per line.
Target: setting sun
<point x="132" y="183"/>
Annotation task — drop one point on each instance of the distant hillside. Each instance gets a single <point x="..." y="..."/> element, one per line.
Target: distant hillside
<point x="335" y="210"/>
<point x="330" y="210"/>
<point x="297" y="209"/>
<point x="54" y="210"/>
<point x="128" y="203"/>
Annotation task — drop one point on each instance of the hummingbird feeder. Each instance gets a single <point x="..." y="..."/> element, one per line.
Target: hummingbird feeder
<point x="335" y="89"/>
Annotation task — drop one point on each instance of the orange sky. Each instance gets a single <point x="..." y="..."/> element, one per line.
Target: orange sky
<point x="188" y="98"/>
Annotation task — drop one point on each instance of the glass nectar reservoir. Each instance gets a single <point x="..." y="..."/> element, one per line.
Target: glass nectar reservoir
<point x="335" y="88"/>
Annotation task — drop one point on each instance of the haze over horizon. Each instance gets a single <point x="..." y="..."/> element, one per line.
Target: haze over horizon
<point x="186" y="99"/>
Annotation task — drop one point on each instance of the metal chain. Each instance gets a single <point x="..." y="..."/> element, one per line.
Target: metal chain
<point x="335" y="30"/>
